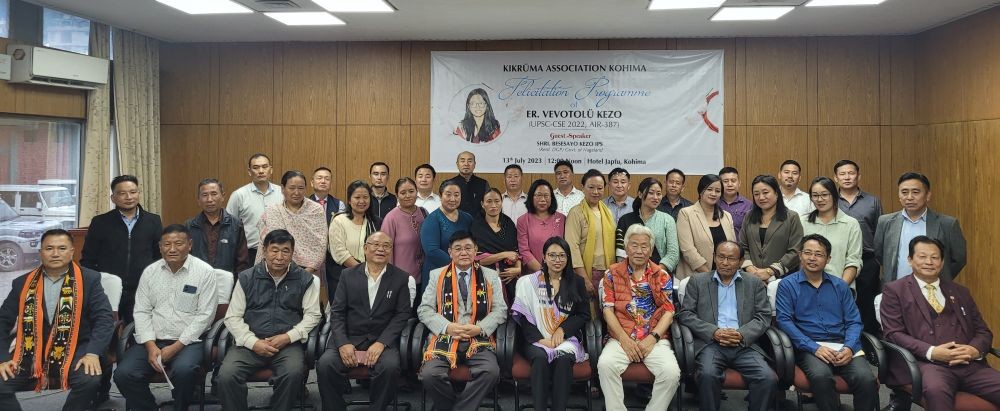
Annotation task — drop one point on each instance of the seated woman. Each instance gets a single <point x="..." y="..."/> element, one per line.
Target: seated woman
<point x="551" y="308"/>
<point x="496" y="236"/>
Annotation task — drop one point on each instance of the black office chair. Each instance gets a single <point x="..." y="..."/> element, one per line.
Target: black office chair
<point x="461" y="373"/>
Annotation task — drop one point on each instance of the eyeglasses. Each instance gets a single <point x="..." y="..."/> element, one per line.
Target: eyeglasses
<point x="813" y="254"/>
<point x="384" y="246"/>
<point x="823" y="196"/>
<point x="467" y="249"/>
<point x="641" y="247"/>
<point x="477" y="105"/>
<point x="556" y="257"/>
<point x="725" y="259"/>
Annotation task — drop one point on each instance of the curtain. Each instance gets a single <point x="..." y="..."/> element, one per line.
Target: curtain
<point x="137" y="111"/>
<point x="94" y="188"/>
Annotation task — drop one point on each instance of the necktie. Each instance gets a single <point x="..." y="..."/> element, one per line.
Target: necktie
<point x="932" y="298"/>
<point x="463" y="287"/>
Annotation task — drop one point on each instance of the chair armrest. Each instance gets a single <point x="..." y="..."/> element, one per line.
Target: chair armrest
<point x="506" y="338"/>
<point x="995" y="351"/>
<point x="687" y="366"/>
<point x="124" y="339"/>
<point x="324" y="338"/>
<point x="225" y="342"/>
<point x="677" y="341"/>
<point x="777" y="351"/>
<point x="592" y="343"/>
<point x="312" y="343"/>
<point x="874" y="353"/>
<point x="417" y="342"/>
<point x="787" y="366"/>
<point x="897" y="353"/>
<point x="211" y="340"/>
<point x="405" y="362"/>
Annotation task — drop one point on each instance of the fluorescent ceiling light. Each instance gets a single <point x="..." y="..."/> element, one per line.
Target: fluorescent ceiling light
<point x="206" y="6"/>
<point x="751" y="13"/>
<point x="355" y="6"/>
<point x="824" y="3"/>
<point x="684" y="4"/>
<point x="312" y="18"/>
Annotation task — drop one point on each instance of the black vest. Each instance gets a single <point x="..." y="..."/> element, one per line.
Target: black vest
<point x="225" y="251"/>
<point x="273" y="309"/>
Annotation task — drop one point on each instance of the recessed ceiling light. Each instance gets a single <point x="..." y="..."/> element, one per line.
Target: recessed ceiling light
<point x="684" y="4"/>
<point x="355" y="6"/>
<point x="311" y="18"/>
<point x="206" y="6"/>
<point x="824" y="3"/>
<point x="751" y="13"/>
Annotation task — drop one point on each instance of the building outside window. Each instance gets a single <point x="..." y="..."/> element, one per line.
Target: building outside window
<point x="65" y="31"/>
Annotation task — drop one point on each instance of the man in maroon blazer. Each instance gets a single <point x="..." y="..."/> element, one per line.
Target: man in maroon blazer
<point x="939" y="323"/>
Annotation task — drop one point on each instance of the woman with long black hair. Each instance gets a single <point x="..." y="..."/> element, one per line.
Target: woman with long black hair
<point x="349" y="230"/>
<point x="479" y="125"/>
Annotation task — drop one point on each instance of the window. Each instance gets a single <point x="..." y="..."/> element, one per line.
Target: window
<point x="39" y="173"/>
<point x="4" y="18"/>
<point x="65" y="31"/>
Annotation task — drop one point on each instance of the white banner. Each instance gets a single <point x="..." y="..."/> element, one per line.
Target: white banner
<point x="645" y="111"/>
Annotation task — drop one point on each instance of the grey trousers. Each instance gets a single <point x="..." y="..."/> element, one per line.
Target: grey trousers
<point x="485" y="374"/>
<point x="289" y="372"/>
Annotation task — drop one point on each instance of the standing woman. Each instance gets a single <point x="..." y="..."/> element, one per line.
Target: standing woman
<point x="666" y="252"/>
<point x="438" y="228"/>
<point x="496" y="236"/>
<point x="402" y="224"/>
<point x="770" y="235"/>
<point x="843" y="231"/>
<point x="590" y="232"/>
<point x="348" y="232"/>
<point x="701" y="226"/>
<point x="551" y="308"/>
<point x="538" y="225"/>
<point x="303" y="218"/>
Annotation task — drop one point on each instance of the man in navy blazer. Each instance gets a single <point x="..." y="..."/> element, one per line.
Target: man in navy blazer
<point x="367" y="315"/>
<point x="937" y="321"/>
<point x="894" y="231"/>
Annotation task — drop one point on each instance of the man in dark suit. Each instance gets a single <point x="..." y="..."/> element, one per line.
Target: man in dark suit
<point x="728" y="312"/>
<point x="69" y="297"/>
<point x="322" y="178"/>
<point x="894" y="231"/>
<point x="938" y="322"/>
<point x="367" y="316"/>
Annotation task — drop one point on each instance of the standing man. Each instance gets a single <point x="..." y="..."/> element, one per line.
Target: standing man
<point x="322" y="178"/>
<point x="866" y="208"/>
<point x="619" y="202"/>
<point x="727" y="314"/>
<point x="473" y="187"/>
<point x="427" y="199"/>
<point x="174" y="306"/>
<point x="383" y="201"/>
<point x="939" y="323"/>
<point x="567" y="196"/>
<point x="894" y="231"/>
<point x="248" y="202"/>
<point x="367" y="317"/>
<point x="274" y="307"/>
<point x="795" y="199"/>
<point x="672" y="201"/>
<point x="462" y="323"/>
<point x="818" y="312"/>
<point x="514" y="200"/>
<point x="83" y="328"/>
<point x="123" y="241"/>
<point x="217" y="237"/>
<point x="732" y="201"/>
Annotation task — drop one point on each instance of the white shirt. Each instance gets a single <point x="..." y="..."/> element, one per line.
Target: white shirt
<point x="431" y="203"/>
<point x="514" y="207"/>
<point x="567" y="202"/>
<point x="940" y="297"/>
<point x="799" y="203"/>
<point x="373" y="284"/>
<point x="175" y="306"/>
<point x="248" y="204"/>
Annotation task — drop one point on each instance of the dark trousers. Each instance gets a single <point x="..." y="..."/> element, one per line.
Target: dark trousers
<point x="333" y="381"/>
<point x="940" y="383"/>
<point x="82" y="388"/>
<point x="240" y="363"/>
<point x="712" y="363"/>
<point x="251" y="256"/>
<point x="134" y="373"/>
<point x="559" y="374"/>
<point x="485" y="374"/>
<point x="856" y="373"/>
<point x="869" y="285"/>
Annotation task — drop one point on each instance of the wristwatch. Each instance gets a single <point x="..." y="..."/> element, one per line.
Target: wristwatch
<point x="656" y="336"/>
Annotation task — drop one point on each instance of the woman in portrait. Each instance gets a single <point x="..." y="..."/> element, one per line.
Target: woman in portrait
<point x="479" y="124"/>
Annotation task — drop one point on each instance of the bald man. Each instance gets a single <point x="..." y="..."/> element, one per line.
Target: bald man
<point x="473" y="187"/>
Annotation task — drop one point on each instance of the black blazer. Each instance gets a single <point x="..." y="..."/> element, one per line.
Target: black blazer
<point x="96" y="323"/>
<point x="109" y="247"/>
<point x="351" y="319"/>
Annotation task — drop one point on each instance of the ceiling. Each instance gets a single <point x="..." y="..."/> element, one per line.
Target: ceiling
<point x="520" y="19"/>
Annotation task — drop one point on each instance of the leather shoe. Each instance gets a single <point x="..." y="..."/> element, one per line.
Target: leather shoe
<point x="898" y="402"/>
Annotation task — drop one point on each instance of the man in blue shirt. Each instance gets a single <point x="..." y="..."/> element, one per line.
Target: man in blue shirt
<point x="818" y="312"/>
<point x="727" y="313"/>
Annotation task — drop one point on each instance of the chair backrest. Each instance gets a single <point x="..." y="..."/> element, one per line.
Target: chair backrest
<point x="878" y="302"/>
<point x="224" y="286"/>
<point x="680" y="287"/>
<point x="411" y="284"/>
<point x="112" y="285"/>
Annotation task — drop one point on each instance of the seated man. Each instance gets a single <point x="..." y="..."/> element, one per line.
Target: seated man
<point x="462" y="306"/>
<point x="818" y="312"/>
<point x="947" y="335"/>
<point x="174" y="306"/>
<point x="64" y="357"/>
<point x="728" y="312"/>
<point x="367" y="317"/>
<point x="275" y="305"/>
<point x="635" y="294"/>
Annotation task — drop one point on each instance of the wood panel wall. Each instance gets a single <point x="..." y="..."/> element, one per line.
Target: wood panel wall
<point x="45" y="101"/>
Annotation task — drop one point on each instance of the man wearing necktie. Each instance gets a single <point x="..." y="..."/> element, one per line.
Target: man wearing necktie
<point x="462" y="306"/>
<point x="938" y="322"/>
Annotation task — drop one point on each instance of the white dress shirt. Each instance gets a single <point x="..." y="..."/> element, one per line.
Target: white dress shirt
<point x="175" y="305"/>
